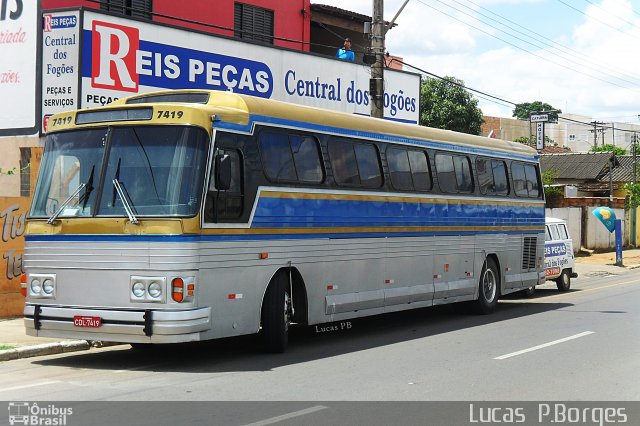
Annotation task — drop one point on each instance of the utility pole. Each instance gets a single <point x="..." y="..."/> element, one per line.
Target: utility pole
<point x="633" y="210"/>
<point x="376" y="84"/>
<point x="595" y="133"/>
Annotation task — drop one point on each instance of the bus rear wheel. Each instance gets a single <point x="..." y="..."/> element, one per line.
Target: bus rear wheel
<point x="563" y="282"/>
<point x="488" y="288"/>
<point x="276" y="315"/>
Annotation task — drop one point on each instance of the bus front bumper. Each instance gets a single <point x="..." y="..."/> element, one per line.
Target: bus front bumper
<point x="113" y="325"/>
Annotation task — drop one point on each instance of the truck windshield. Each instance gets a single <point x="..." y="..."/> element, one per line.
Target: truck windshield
<point x="159" y="169"/>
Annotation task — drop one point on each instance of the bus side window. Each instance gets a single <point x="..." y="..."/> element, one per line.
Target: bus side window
<point x="454" y="173"/>
<point x="228" y="204"/>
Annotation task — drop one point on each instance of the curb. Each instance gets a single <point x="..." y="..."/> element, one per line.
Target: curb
<point x="44" y="349"/>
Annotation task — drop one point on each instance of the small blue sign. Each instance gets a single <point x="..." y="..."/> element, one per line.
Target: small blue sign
<point x="607" y="216"/>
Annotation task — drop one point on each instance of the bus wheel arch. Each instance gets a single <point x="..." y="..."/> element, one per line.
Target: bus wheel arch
<point x="284" y="302"/>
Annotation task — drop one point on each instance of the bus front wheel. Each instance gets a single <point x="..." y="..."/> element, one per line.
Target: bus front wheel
<point x="488" y="288"/>
<point x="276" y="315"/>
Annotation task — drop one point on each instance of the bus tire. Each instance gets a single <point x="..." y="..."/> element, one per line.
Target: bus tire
<point x="563" y="282"/>
<point x="488" y="288"/>
<point x="276" y="315"/>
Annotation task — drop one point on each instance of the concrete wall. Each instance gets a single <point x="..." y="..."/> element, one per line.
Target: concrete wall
<point x="573" y="216"/>
<point x="587" y="231"/>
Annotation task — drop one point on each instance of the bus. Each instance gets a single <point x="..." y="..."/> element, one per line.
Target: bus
<point x="181" y="216"/>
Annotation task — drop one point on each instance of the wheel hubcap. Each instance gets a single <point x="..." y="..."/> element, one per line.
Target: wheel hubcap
<point x="489" y="285"/>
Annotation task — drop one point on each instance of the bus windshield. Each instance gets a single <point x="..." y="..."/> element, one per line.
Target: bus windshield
<point x="159" y="171"/>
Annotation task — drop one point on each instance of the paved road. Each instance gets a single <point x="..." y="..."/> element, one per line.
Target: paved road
<point x="580" y="345"/>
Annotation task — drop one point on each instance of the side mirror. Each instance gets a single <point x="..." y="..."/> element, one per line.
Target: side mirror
<point x="223" y="172"/>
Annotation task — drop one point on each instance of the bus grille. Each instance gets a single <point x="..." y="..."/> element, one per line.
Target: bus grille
<point x="529" y="253"/>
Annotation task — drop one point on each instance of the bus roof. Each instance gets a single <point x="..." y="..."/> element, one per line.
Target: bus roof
<point x="243" y="110"/>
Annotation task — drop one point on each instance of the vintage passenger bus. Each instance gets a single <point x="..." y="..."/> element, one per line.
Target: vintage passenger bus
<point x="190" y="215"/>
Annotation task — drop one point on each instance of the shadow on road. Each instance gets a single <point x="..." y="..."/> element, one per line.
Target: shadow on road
<point x="305" y="343"/>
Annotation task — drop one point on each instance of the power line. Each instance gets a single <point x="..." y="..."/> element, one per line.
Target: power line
<point x="611" y="14"/>
<point x="596" y="19"/>
<point x="550" y="43"/>
<point x="523" y="49"/>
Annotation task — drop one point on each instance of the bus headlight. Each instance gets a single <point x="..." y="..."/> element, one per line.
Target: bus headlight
<point x="36" y="287"/>
<point x="147" y="289"/>
<point x="47" y="286"/>
<point x="155" y="290"/>
<point x="42" y="286"/>
<point x="138" y="289"/>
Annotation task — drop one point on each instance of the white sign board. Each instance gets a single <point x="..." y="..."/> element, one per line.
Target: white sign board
<point x="19" y="30"/>
<point x="537" y="118"/>
<point x="121" y="58"/>
<point x="539" y="135"/>
<point x="60" y="63"/>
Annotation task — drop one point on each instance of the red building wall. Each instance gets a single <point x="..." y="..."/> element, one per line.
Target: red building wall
<point x="289" y="21"/>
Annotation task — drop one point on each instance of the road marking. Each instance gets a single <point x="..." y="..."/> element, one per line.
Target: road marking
<point x="31" y="385"/>
<point x="544" y="345"/>
<point x="287" y="416"/>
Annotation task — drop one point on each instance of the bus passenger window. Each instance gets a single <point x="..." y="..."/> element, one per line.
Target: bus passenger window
<point x="409" y="169"/>
<point x="525" y="180"/>
<point x="420" y="172"/>
<point x="492" y="177"/>
<point x="228" y="204"/>
<point x="368" y="165"/>
<point x="343" y="161"/>
<point x="306" y="156"/>
<point x="277" y="157"/>
<point x="454" y="173"/>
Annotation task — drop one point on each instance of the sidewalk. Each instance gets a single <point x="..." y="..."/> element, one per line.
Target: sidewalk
<point x="19" y="345"/>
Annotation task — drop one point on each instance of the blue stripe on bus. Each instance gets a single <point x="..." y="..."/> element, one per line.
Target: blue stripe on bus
<point x="274" y="212"/>
<point x="363" y="134"/>
<point x="93" y="238"/>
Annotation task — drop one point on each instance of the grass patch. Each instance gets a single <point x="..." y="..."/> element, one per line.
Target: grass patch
<point x="6" y="347"/>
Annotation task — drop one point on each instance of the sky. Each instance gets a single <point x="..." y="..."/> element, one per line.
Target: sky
<point x="580" y="56"/>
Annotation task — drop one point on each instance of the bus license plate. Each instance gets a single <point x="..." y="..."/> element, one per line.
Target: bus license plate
<point x="86" y="321"/>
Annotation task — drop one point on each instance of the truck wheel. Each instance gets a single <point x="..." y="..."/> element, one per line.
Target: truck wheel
<point x="564" y="280"/>
<point x="276" y="315"/>
<point x="488" y="288"/>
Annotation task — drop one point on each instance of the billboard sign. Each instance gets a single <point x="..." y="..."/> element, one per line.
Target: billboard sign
<point x="19" y="47"/>
<point x="60" y="63"/>
<point x="121" y="57"/>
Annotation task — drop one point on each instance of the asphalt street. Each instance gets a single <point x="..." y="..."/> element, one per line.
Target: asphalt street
<point x="582" y="345"/>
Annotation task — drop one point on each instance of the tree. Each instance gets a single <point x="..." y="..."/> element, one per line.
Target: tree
<point x="524" y="110"/>
<point x="609" y="148"/>
<point x="527" y="141"/>
<point x="446" y="104"/>
<point x="548" y="179"/>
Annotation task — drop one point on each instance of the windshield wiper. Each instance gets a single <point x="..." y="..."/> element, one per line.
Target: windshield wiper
<point x="54" y="216"/>
<point x="88" y="188"/>
<point x="126" y="203"/>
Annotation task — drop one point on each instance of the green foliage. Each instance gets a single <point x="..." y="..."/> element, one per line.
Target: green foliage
<point x="525" y="109"/>
<point x="8" y="172"/>
<point x="445" y="104"/>
<point x="633" y="191"/>
<point x="609" y="148"/>
<point x="549" y="178"/>
<point x="6" y="347"/>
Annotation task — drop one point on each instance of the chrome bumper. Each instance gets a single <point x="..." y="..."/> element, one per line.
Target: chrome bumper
<point x="125" y="326"/>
